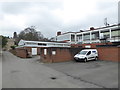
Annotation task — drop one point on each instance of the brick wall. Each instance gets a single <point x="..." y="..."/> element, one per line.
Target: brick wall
<point x="62" y="54"/>
<point x="30" y="49"/>
<point x="21" y="53"/>
<point x="67" y="54"/>
<point x="38" y="51"/>
<point x="109" y="53"/>
<point x="105" y="53"/>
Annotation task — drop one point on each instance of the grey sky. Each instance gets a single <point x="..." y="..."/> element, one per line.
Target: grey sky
<point x="50" y="16"/>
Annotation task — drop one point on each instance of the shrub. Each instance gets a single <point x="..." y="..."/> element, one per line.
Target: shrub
<point x="13" y="47"/>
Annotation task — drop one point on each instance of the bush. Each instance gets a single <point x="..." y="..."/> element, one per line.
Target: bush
<point x="13" y="47"/>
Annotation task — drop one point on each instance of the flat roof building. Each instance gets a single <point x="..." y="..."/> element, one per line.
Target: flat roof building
<point x="24" y="43"/>
<point x="94" y="35"/>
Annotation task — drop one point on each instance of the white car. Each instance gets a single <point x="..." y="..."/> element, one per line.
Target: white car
<point x="86" y="54"/>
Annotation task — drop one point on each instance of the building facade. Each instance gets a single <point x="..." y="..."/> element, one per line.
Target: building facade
<point x="109" y="34"/>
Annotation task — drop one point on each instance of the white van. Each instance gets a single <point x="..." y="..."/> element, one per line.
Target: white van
<point x="86" y="54"/>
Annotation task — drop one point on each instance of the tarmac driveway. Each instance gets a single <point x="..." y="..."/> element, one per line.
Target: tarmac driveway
<point x="31" y="73"/>
<point x="100" y="73"/>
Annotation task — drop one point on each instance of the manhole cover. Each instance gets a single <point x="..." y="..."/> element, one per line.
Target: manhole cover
<point x="53" y="78"/>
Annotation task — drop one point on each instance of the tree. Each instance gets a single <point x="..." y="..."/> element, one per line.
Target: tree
<point x="13" y="47"/>
<point x="30" y="34"/>
<point x="3" y="41"/>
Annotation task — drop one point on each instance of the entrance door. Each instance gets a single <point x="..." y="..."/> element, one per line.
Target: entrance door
<point x="34" y="51"/>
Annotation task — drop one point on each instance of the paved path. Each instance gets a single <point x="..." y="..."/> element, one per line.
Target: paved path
<point x="24" y="73"/>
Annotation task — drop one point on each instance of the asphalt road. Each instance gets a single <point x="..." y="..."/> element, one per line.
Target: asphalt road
<point x="31" y="73"/>
<point x="100" y="73"/>
<point x="28" y="73"/>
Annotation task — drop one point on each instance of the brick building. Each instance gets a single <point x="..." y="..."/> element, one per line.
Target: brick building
<point x="58" y="54"/>
<point x="34" y="46"/>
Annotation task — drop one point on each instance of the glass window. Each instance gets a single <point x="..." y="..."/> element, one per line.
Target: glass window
<point x="42" y="44"/>
<point x="94" y="52"/>
<point x="72" y="37"/>
<point x="79" y="37"/>
<point x="89" y="53"/>
<point x="86" y="37"/>
<point x="115" y="33"/>
<point x="106" y="34"/>
<point x="82" y="52"/>
<point x="95" y="35"/>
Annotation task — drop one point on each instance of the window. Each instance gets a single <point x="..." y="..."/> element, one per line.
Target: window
<point x="42" y="44"/>
<point x="79" y="37"/>
<point x="86" y="37"/>
<point x="95" y="35"/>
<point x="89" y="53"/>
<point x="94" y="52"/>
<point x="115" y="33"/>
<point x="53" y="52"/>
<point x="83" y="52"/>
<point x="31" y="43"/>
<point x="106" y="34"/>
<point x="72" y="37"/>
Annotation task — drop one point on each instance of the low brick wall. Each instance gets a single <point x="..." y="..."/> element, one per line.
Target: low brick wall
<point x="13" y="51"/>
<point x="57" y="54"/>
<point x="105" y="52"/>
<point x="29" y="49"/>
<point x="21" y="53"/>
<point x="109" y="53"/>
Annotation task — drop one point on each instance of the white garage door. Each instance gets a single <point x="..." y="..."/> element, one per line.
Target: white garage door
<point x="34" y="51"/>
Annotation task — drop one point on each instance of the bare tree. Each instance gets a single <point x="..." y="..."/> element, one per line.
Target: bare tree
<point x="31" y="34"/>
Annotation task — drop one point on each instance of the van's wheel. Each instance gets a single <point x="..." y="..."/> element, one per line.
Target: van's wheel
<point x="85" y="60"/>
<point x="96" y="58"/>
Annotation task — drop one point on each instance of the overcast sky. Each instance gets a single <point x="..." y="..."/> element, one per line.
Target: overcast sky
<point x="50" y="16"/>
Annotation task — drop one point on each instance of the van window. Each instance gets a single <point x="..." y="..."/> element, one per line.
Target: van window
<point x="83" y="52"/>
<point x="89" y="53"/>
<point x="94" y="52"/>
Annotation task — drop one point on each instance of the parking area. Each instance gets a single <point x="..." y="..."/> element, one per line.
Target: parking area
<point x="103" y="74"/>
